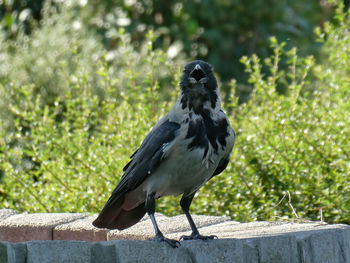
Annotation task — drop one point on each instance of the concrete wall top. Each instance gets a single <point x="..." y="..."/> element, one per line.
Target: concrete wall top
<point x="66" y="237"/>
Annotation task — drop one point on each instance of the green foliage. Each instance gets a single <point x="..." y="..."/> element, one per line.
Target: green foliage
<point x="288" y="144"/>
<point x="63" y="52"/>
<point x="220" y="32"/>
<point x="66" y="152"/>
<point x="68" y="156"/>
<point x="58" y="53"/>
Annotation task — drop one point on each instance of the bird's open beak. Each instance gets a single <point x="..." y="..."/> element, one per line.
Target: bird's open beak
<point x="198" y="75"/>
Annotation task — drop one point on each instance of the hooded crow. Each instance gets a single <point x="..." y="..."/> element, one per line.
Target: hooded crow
<point x="185" y="149"/>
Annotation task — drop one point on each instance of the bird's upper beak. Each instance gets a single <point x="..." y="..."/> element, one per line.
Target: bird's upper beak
<point x="198" y="75"/>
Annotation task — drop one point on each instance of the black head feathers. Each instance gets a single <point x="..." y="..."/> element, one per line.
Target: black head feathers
<point x="198" y="70"/>
<point x="198" y="86"/>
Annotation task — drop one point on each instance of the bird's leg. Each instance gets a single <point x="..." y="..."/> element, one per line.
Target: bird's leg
<point x="150" y="209"/>
<point x="185" y="205"/>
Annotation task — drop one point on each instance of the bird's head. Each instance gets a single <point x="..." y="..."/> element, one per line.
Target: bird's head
<point x="198" y="86"/>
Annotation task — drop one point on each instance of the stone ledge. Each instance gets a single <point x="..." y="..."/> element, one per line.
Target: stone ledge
<point x="238" y="242"/>
<point x="25" y="227"/>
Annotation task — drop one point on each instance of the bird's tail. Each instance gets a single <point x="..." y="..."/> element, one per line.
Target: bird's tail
<point x="113" y="216"/>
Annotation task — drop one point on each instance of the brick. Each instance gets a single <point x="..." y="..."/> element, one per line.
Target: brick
<point x="103" y="252"/>
<point x="25" y="227"/>
<point x="144" y="230"/>
<point x="211" y="251"/>
<point x="12" y="253"/>
<point x="58" y="251"/>
<point x="279" y="248"/>
<point x="231" y="229"/>
<point x="81" y="229"/>
<point x="130" y="251"/>
<point x="272" y="242"/>
<point x="221" y="230"/>
<point x="141" y="231"/>
<point x="5" y="213"/>
<point x="250" y="251"/>
<point x="327" y="246"/>
<point x="344" y="242"/>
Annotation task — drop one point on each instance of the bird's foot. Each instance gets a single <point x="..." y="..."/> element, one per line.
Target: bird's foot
<point x="171" y="242"/>
<point x="197" y="236"/>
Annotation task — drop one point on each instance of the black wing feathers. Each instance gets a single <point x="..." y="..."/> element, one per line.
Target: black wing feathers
<point x="143" y="162"/>
<point x="225" y="160"/>
<point x="222" y="166"/>
<point x="147" y="157"/>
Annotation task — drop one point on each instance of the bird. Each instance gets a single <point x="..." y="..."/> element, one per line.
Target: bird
<point x="186" y="148"/>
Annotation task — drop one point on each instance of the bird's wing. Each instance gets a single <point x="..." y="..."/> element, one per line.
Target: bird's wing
<point x="147" y="158"/>
<point x="226" y="158"/>
<point x="221" y="166"/>
<point x="143" y="162"/>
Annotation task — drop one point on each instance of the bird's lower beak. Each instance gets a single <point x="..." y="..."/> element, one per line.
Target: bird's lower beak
<point x="198" y="75"/>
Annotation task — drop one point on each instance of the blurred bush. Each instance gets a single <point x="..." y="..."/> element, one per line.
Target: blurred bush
<point x="291" y="159"/>
<point x="292" y="150"/>
<point x="59" y="80"/>
<point x="55" y="54"/>
<point x="220" y="32"/>
<point x="63" y="52"/>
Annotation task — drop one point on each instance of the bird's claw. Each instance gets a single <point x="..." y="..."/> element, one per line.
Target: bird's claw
<point x="171" y="242"/>
<point x="198" y="237"/>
